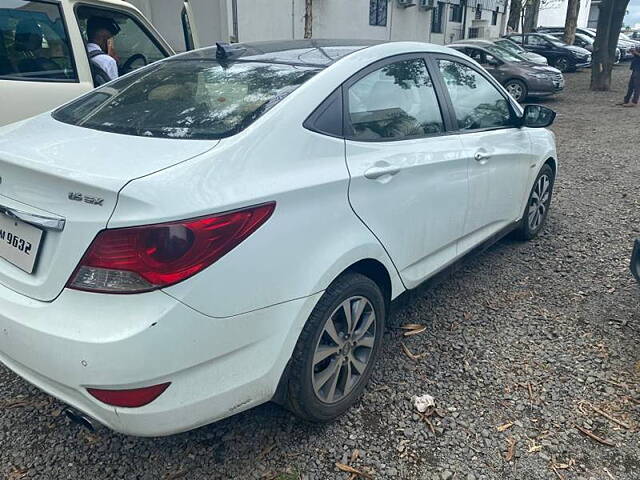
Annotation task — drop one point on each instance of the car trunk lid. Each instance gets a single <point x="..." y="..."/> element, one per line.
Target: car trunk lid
<point x="51" y="171"/>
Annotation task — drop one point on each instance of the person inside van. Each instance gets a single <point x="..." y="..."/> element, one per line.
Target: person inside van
<point x="99" y="31"/>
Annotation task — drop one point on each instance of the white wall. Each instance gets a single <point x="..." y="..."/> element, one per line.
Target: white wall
<point x="210" y="20"/>
<point x="555" y="13"/>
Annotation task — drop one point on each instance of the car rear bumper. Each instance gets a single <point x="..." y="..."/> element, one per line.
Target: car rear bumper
<point x="217" y="366"/>
<point x="635" y="260"/>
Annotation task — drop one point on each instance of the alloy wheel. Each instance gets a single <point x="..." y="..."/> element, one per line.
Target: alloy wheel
<point x="343" y="349"/>
<point x="515" y="90"/>
<point x="539" y="202"/>
<point x="562" y="64"/>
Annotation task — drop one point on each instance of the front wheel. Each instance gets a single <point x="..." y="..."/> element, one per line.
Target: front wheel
<point x="337" y="349"/>
<point x="537" y="209"/>
<point x="562" y="64"/>
<point x="517" y="89"/>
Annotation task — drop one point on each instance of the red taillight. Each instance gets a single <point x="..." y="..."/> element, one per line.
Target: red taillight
<point x="137" y="397"/>
<point x="139" y="259"/>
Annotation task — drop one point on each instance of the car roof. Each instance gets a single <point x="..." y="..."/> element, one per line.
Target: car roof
<point x="316" y="53"/>
<point x="311" y="52"/>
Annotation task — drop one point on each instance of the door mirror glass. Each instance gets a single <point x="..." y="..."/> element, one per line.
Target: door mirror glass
<point x="537" y="116"/>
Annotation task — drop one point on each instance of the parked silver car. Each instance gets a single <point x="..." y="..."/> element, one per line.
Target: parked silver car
<point x="520" y="77"/>
<point x="516" y="49"/>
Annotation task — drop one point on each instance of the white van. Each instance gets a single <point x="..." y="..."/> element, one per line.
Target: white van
<point x="43" y="56"/>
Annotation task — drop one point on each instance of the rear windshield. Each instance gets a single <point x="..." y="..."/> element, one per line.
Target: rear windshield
<point x="191" y="99"/>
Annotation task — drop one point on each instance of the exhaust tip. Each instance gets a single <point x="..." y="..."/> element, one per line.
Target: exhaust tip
<point x="79" y="419"/>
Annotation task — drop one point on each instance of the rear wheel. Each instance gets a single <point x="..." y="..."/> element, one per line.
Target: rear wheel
<point x="517" y="89"/>
<point x="337" y="349"/>
<point x="537" y="209"/>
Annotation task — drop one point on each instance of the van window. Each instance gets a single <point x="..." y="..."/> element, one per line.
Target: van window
<point x="132" y="47"/>
<point x="33" y="42"/>
<point x="186" y="98"/>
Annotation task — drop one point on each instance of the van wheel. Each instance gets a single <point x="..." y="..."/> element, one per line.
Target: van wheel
<point x="337" y="349"/>
<point x="537" y="209"/>
<point x="517" y="89"/>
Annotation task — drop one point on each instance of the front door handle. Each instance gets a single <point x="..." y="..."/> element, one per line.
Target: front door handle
<point x="380" y="169"/>
<point x="482" y="157"/>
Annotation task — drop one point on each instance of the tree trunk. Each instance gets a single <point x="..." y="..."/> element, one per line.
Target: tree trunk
<point x="514" y="14"/>
<point x="610" y="19"/>
<point x="531" y="11"/>
<point x="571" y="22"/>
<point x="308" y="18"/>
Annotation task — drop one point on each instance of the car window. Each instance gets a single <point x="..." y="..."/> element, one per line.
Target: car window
<point x="133" y="47"/>
<point x="476" y="102"/>
<point x="186" y="98"/>
<point x="516" y="38"/>
<point x="537" y="41"/>
<point x="394" y="102"/>
<point x="34" y="43"/>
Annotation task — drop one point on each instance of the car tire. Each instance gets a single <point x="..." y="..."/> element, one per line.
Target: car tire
<point x="562" y="64"/>
<point x="517" y="89"/>
<point x="315" y="394"/>
<point x="537" y="209"/>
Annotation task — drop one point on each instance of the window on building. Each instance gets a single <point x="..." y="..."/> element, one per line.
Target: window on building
<point x="494" y="17"/>
<point x="378" y="13"/>
<point x="455" y="13"/>
<point x="395" y="102"/>
<point x="478" y="11"/>
<point x="436" y="18"/>
<point x="34" y="43"/>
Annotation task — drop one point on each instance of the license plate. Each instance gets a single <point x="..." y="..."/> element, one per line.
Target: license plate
<point x="19" y="242"/>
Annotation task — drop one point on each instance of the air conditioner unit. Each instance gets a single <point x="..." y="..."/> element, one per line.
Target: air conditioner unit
<point x="406" y="3"/>
<point x="427" y="4"/>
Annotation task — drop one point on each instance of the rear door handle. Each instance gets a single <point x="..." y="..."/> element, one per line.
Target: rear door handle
<point x="381" y="169"/>
<point x="482" y="156"/>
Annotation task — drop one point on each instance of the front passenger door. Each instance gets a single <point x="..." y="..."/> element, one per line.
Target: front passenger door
<point x="408" y="177"/>
<point x="499" y="155"/>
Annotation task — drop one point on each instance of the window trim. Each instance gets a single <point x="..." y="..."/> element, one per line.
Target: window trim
<point x="346" y="120"/>
<point x="125" y="12"/>
<point x="447" y="98"/>
<point x="57" y="4"/>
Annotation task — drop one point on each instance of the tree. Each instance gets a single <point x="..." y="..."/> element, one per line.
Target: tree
<point x="515" y="11"/>
<point x="530" y="17"/>
<point x="571" y="22"/>
<point x="610" y="19"/>
<point x="308" y="18"/>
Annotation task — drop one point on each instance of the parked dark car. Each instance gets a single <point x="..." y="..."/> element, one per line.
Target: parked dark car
<point x="566" y="58"/>
<point x="586" y="42"/>
<point x="635" y="260"/>
<point x="623" y="45"/>
<point x="519" y="77"/>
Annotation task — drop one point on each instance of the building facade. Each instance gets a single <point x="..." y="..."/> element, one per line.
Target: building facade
<point x="252" y="20"/>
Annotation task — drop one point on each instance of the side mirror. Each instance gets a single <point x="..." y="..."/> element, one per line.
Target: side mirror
<point x="537" y="116"/>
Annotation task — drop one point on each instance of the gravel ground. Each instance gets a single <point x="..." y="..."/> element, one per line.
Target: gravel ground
<point x="528" y="337"/>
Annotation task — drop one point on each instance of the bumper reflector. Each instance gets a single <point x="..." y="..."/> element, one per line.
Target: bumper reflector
<point x="133" y="398"/>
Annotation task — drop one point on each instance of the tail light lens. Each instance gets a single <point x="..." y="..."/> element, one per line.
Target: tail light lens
<point x="139" y="259"/>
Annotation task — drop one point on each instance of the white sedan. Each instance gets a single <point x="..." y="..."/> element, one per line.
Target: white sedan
<point x="228" y="226"/>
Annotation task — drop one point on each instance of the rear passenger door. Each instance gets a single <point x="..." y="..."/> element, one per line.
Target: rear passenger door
<point x="498" y="154"/>
<point x="408" y="177"/>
